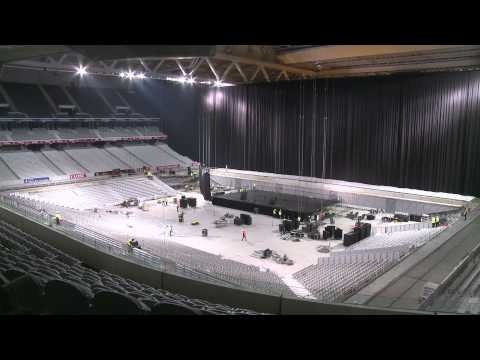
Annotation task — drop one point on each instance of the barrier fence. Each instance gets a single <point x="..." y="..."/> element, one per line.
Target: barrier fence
<point x="219" y="273"/>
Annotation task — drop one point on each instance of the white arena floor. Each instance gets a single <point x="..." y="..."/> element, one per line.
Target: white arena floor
<point x="151" y="229"/>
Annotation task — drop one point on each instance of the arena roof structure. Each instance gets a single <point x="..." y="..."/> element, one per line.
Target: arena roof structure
<point x="240" y="64"/>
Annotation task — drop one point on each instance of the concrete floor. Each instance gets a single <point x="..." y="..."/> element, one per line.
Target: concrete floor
<point x="150" y="228"/>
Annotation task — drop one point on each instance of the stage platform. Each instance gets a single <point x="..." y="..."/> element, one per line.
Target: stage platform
<point x="372" y="196"/>
<point x="265" y="201"/>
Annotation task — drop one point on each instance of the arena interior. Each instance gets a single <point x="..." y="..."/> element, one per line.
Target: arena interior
<point x="239" y="180"/>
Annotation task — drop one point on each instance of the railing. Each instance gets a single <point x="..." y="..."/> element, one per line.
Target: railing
<point x="108" y="245"/>
<point x="105" y="244"/>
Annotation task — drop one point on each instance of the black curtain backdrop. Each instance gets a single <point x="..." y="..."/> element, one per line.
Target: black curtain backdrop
<point x="177" y="106"/>
<point x="418" y="131"/>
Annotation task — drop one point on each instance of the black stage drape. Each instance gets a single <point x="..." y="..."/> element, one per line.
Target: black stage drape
<point x="419" y="131"/>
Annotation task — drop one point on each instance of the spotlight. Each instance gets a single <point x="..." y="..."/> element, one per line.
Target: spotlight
<point x="191" y="81"/>
<point x="123" y="74"/>
<point x="81" y="70"/>
<point x="218" y="83"/>
<point x="140" y="76"/>
<point x="130" y="74"/>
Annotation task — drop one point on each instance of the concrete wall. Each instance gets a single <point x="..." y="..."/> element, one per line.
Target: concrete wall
<point x="178" y="284"/>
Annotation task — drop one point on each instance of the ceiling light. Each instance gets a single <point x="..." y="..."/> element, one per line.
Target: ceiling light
<point x="81" y="70"/>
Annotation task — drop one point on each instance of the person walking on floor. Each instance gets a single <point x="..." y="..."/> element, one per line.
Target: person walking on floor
<point x="465" y="212"/>
<point x="433" y="221"/>
<point x="244" y="235"/>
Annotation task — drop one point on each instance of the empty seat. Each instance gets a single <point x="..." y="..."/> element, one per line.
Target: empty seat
<point x="13" y="273"/>
<point x="26" y="292"/>
<point x="174" y="308"/>
<point x="66" y="297"/>
<point x="113" y="303"/>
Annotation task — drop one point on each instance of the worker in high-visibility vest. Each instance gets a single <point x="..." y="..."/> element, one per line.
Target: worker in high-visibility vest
<point x="438" y="221"/>
<point x="274" y="212"/>
<point x="433" y="221"/>
<point x="280" y="213"/>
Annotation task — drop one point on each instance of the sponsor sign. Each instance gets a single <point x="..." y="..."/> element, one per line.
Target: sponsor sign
<point x="36" y="180"/>
<point x="77" y="176"/>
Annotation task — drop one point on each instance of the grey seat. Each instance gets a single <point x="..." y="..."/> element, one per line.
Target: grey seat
<point x="113" y="303"/>
<point x="64" y="297"/>
<point x="13" y="273"/>
<point x="26" y="292"/>
<point x="174" y="308"/>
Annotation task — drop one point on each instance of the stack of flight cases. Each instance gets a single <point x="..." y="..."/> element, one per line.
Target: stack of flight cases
<point x="192" y="202"/>
<point x="417" y="218"/>
<point x="332" y="232"/>
<point x="288" y="225"/>
<point x="183" y="202"/>
<point x="243" y="219"/>
<point x="359" y="233"/>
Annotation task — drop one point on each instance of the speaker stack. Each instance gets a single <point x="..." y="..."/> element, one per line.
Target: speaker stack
<point x="401" y="217"/>
<point x="238" y="221"/>
<point x="338" y="234"/>
<point x="246" y="219"/>
<point x="288" y="225"/>
<point x="351" y="238"/>
<point x="192" y="202"/>
<point x="183" y="203"/>
<point x="417" y="218"/>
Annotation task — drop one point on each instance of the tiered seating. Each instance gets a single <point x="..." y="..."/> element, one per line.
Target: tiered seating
<point x="57" y="95"/>
<point x="27" y="164"/>
<point x="127" y="131"/>
<point x="77" y="133"/>
<point x="95" y="159"/>
<point x="28" y="98"/>
<point x="196" y="263"/>
<point x="138" y="102"/>
<point x="106" y="132"/>
<point x="89" y="101"/>
<point x="341" y="275"/>
<point x="63" y="161"/>
<point x="128" y="158"/>
<point x="149" y="130"/>
<point x="5" y="135"/>
<point x="182" y="159"/>
<point x="5" y="173"/>
<point x="152" y="155"/>
<point x="112" y="97"/>
<point x="413" y="238"/>
<point x="209" y="267"/>
<point x="105" y="193"/>
<point x="37" y="278"/>
<point x="21" y="134"/>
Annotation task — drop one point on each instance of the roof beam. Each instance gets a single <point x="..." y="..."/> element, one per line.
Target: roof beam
<point x="157" y="67"/>
<point x="376" y="69"/>
<point x="336" y="52"/>
<point x="270" y="65"/>
<point x="213" y="69"/>
<point x="179" y="64"/>
<point x="255" y="74"/>
<point x="227" y="70"/>
<point x="265" y="74"/>
<point x="194" y="70"/>
<point x="239" y="69"/>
